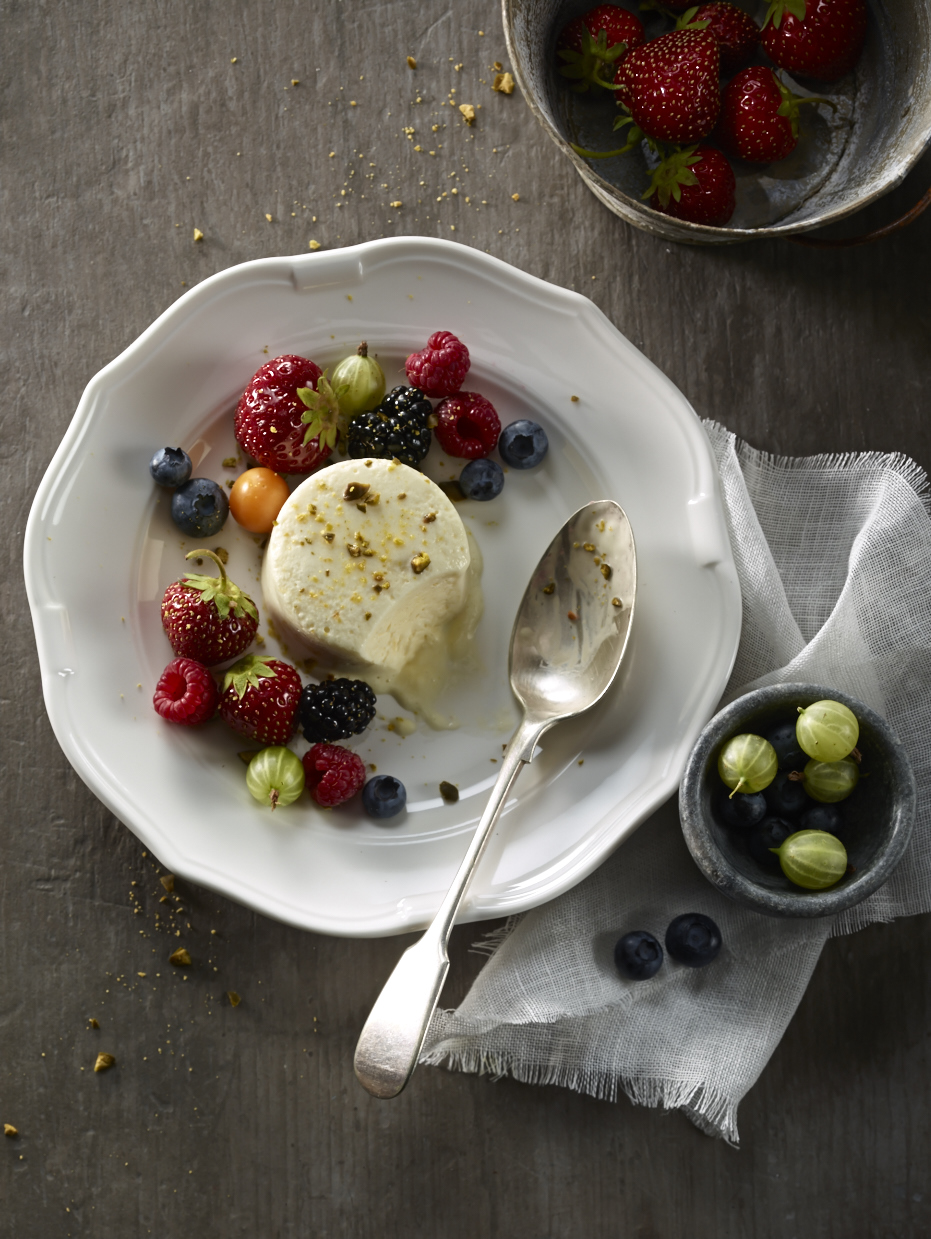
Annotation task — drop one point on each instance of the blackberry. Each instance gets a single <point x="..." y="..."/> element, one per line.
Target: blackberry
<point x="388" y="434"/>
<point x="407" y="399"/>
<point x="335" y="709"/>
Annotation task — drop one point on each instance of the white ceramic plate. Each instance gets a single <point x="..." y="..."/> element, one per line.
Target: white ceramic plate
<point x="100" y="550"/>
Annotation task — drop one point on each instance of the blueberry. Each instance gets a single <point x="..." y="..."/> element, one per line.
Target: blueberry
<point x="788" y="750"/>
<point x="199" y="508"/>
<point x="786" y="797"/>
<point x="638" y="955"/>
<point x="829" y="817"/>
<point x="693" y="939"/>
<point x="481" y="480"/>
<point x="769" y="833"/>
<point x="523" y="444"/>
<point x="383" y="796"/>
<point x="741" y="810"/>
<point x="170" y="466"/>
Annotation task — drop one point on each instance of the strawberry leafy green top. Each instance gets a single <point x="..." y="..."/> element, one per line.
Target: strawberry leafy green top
<point x="221" y="591"/>
<point x="248" y="672"/>
<point x="325" y="422"/>
<point x="583" y="67"/>
<point x="778" y="9"/>
<point x="674" y="172"/>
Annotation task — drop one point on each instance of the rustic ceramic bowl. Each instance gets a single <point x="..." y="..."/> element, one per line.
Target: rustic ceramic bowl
<point x="879" y="815"/>
<point x="843" y="161"/>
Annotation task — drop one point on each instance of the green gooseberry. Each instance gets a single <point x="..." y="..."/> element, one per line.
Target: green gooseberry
<point x="275" y="776"/>
<point x="747" y="763"/>
<point x="830" y="781"/>
<point x="812" y="859"/>
<point x="827" y="730"/>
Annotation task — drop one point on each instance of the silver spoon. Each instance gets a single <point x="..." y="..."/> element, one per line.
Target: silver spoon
<point x="567" y="643"/>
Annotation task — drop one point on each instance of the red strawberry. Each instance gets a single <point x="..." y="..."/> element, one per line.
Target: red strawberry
<point x="821" y="39"/>
<point x="759" y="116"/>
<point x="259" y="698"/>
<point x="271" y="415"/>
<point x="597" y="39"/>
<point x="670" y="85"/>
<point x="696" y="184"/>
<point x="185" y="693"/>
<point x="208" y="618"/>
<point x="736" y="32"/>
<point x="332" y="774"/>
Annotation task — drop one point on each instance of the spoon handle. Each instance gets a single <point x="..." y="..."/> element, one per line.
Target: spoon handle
<point x="391" y="1040"/>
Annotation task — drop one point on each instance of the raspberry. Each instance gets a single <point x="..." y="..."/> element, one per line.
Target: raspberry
<point x="332" y="774"/>
<point x="467" y="425"/>
<point x="185" y="692"/>
<point x="440" y="368"/>
<point x="335" y="709"/>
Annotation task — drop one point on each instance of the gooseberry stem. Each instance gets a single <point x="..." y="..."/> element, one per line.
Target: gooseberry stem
<point x="736" y="788"/>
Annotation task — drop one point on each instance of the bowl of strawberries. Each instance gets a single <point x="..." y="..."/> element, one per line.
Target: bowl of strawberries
<point x="728" y="120"/>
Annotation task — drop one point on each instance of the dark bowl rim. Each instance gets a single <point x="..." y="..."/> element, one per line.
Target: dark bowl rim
<point x="736" y="885"/>
<point x="683" y="231"/>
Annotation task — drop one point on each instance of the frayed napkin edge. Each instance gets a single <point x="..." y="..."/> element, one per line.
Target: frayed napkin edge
<point x="711" y="1112"/>
<point x="898" y="462"/>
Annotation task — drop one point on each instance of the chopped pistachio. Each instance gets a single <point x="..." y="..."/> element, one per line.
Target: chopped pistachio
<point x="230" y="462"/>
<point x="355" y="491"/>
<point x="420" y="562"/>
<point x="180" y="958"/>
<point x="549" y="589"/>
<point x="168" y="881"/>
<point x="10" y="1130"/>
<point x="606" y="572"/>
<point x="104" y="1062"/>
<point x="449" y="792"/>
<point x="616" y="602"/>
<point x="234" y="998"/>
<point x="93" y="1023"/>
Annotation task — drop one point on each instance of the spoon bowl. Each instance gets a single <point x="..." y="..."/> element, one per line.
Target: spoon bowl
<point x="567" y="643"/>
<point x="574" y="619"/>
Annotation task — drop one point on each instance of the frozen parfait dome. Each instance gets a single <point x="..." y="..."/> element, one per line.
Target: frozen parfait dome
<point x="369" y="562"/>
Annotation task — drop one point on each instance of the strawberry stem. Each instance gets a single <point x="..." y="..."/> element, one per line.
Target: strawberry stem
<point x="580" y="150"/>
<point x="217" y="560"/>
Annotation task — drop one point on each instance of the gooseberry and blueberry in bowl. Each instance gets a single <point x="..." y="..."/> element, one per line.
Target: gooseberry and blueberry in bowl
<point x="290" y="420"/>
<point x="797" y="800"/>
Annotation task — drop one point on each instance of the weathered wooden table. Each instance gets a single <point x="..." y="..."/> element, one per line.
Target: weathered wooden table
<point x="124" y="127"/>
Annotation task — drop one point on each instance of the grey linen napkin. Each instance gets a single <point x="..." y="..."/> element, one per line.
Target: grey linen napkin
<point x="834" y="559"/>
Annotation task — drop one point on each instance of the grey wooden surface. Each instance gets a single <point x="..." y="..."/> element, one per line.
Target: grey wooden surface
<point x="124" y="127"/>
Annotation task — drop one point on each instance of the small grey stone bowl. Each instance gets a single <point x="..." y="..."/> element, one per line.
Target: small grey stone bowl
<point x="879" y="814"/>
